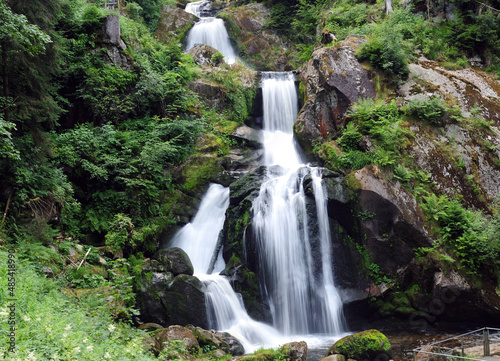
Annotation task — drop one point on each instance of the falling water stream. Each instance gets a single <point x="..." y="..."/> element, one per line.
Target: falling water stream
<point x="209" y="30"/>
<point x="299" y="286"/>
<point x="291" y="230"/>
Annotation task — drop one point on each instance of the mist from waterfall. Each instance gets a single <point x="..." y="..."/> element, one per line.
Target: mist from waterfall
<point x="209" y="30"/>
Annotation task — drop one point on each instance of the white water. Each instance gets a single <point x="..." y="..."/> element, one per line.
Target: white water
<point x="199" y="238"/>
<point x="225" y="308"/>
<point x="209" y="31"/>
<point x="294" y="250"/>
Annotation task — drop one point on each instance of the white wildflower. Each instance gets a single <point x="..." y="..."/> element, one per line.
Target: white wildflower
<point x="111" y="328"/>
<point x="48" y="329"/>
<point x="77" y="349"/>
<point x="90" y="348"/>
<point x="26" y="318"/>
<point x="67" y="328"/>
<point x="107" y="355"/>
<point x="4" y="312"/>
<point x="31" y="356"/>
<point x="38" y="319"/>
<point x="84" y="340"/>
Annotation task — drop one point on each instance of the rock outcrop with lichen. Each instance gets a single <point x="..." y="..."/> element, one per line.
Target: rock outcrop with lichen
<point x="332" y="80"/>
<point x="258" y="45"/>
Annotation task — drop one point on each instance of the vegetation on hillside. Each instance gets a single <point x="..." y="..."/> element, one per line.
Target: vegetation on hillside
<point x="90" y="151"/>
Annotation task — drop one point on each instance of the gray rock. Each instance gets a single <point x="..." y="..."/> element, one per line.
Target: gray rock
<point x="295" y="351"/>
<point x="175" y="260"/>
<point x="335" y="357"/>
<point x="395" y="224"/>
<point x="333" y="79"/>
<point x="173" y="23"/>
<point x="259" y="46"/>
<point x="202" y="55"/>
<point x="177" y="333"/>
<point x="112" y="31"/>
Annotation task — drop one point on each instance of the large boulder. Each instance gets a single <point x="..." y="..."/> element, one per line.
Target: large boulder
<point x="294" y="351"/>
<point x="204" y="55"/>
<point x="366" y="345"/>
<point x="332" y="80"/>
<point x="177" y="333"/>
<point x="389" y="218"/>
<point x="169" y="299"/>
<point x="259" y="46"/>
<point x="220" y="340"/>
<point x="173" y="24"/>
<point x="175" y="261"/>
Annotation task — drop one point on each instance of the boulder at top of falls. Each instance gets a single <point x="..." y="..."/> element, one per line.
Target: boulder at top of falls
<point x="333" y="80"/>
<point x="173" y="23"/>
<point x="366" y="345"/>
<point x="260" y="46"/>
<point x="202" y="55"/>
<point x="175" y="261"/>
<point x="295" y="351"/>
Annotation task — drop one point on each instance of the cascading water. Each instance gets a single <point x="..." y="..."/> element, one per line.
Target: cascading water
<point x="299" y="286"/>
<point x="199" y="240"/>
<point x="209" y="31"/>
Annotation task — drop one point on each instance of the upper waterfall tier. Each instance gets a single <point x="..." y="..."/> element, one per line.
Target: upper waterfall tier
<point x="280" y="101"/>
<point x="209" y="31"/>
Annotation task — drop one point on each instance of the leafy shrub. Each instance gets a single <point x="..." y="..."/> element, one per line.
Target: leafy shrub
<point x="386" y="55"/>
<point x="350" y="137"/>
<point x="217" y="58"/>
<point x="471" y="237"/>
<point x="429" y="110"/>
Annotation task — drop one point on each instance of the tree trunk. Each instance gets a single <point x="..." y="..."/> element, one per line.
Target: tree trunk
<point x="388" y="7"/>
<point x="5" y="76"/>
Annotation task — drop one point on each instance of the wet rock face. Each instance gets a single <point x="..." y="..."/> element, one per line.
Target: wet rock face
<point x="175" y="261"/>
<point x="168" y="297"/>
<point x="262" y="48"/>
<point x="333" y="79"/>
<point x="173" y="23"/>
<point x="391" y="220"/>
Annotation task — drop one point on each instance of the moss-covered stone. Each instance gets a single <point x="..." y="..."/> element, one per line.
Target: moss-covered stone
<point x="366" y="345"/>
<point x="199" y="171"/>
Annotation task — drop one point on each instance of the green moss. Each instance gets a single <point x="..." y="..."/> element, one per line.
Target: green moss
<point x="363" y="345"/>
<point x="199" y="171"/>
<point x="228" y="127"/>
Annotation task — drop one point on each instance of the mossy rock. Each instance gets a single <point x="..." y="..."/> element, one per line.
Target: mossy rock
<point x="366" y="345"/>
<point x="199" y="171"/>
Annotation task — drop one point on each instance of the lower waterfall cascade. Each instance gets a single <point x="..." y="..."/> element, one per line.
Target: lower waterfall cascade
<point x="295" y="252"/>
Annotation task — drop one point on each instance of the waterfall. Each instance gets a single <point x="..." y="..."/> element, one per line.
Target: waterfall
<point x="199" y="238"/>
<point x="226" y="311"/>
<point x="294" y="245"/>
<point x="209" y="31"/>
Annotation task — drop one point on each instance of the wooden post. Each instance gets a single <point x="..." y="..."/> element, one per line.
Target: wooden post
<point x="486" y="342"/>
